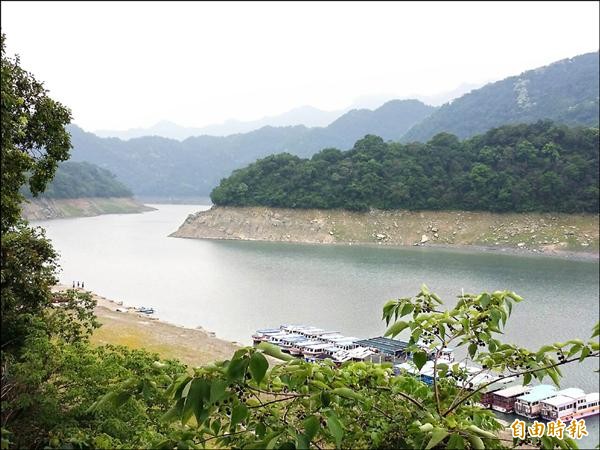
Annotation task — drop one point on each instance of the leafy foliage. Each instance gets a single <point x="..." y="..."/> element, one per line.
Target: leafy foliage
<point x="538" y="167"/>
<point x="363" y="405"/>
<point x="34" y="139"/>
<point x="82" y="179"/>
<point x="565" y="92"/>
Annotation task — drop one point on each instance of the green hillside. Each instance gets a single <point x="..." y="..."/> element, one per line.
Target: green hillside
<point x="535" y="167"/>
<point x="565" y="92"/>
<point x="82" y="179"/>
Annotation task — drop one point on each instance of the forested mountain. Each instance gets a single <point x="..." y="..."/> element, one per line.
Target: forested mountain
<point x="535" y="167"/>
<point x="565" y="91"/>
<point x="160" y="166"/>
<point x="82" y="179"/>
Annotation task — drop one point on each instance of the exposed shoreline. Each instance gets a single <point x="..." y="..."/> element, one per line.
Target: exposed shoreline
<point x="192" y="346"/>
<point x="60" y="208"/>
<point x="565" y="236"/>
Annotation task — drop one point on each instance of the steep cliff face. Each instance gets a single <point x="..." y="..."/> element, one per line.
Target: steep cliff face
<point x="528" y="232"/>
<point x="45" y="208"/>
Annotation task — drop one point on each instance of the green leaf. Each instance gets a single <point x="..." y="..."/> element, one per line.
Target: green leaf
<point x="215" y="426"/>
<point x="443" y="367"/>
<point x="396" y="328"/>
<point x="194" y="402"/>
<point x="407" y="308"/>
<point x="217" y="390"/>
<point x="426" y="428"/>
<point x="325" y="398"/>
<point x="545" y="349"/>
<point x="554" y="376"/>
<point x="238" y="414"/>
<point x="515" y="297"/>
<point x="258" y="366"/>
<point x="456" y="442"/>
<point x="260" y="429"/>
<point x="273" y="441"/>
<point x="419" y="358"/>
<point x="191" y="401"/>
<point x="274" y="351"/>
<point x="347" y="393"/>
<point x="485" y="300"/>
<point x="237" y="368"/>
<point x="311" y="427"/>
<point x="574" y="349"/>
<point x="174" y="413"/>
<point x="527" y="378"/>
<point x="486" y="434"/>
<point x="437" y="436"/>
<point x="476" y="442"/>
<point x="584" y="353"/>
<point x="472" y="349"/>
<point x="302" y="442"/>
<point x="335" y="428"/>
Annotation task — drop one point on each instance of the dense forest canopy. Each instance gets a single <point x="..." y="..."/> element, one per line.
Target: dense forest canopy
<point x="535" y="167"/>
<point x="82" y="179"/>
<point x="565" y="92"/>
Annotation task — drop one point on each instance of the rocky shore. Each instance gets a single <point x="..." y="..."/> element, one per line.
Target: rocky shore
<point x="47" y="208"/>
<point x="571" y="235"/>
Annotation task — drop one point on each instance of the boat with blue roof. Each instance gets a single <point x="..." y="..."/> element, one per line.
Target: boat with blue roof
<point x="529" y="405"/>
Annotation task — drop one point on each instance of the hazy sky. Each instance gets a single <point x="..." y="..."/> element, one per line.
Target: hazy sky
<point x="127" y="64"/>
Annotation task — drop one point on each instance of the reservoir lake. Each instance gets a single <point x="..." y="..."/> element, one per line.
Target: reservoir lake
<point x="234" y="287"/>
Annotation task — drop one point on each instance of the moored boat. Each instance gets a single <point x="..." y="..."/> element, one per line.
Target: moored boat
<point x="570" y="404"/>
<point x="263" y="335"/>
<point x="504" y="399"/>
<point x="529" y="405"/>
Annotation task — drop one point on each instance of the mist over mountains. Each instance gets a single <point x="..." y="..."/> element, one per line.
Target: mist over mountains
<point x="309" y="116"/>
<point x="565" y="92"/>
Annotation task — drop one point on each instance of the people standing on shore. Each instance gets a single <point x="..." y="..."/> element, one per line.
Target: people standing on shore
<point x="82" y="286"/>
<point x="73" y="285"/>
<point x="78" y="285"/>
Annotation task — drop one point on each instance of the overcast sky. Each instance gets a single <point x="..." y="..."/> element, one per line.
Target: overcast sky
<point x="121" y="65"/>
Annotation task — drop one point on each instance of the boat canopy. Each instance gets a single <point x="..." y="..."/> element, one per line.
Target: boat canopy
<point x="512" y="391"/>
<point x="385" y="345"/>
<point x="537" y="393"/>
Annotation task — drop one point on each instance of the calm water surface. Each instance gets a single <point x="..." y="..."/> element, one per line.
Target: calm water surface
<point x="234" y="287"/>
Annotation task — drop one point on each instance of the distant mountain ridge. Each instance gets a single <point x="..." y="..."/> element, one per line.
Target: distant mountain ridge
<point x="308" y="116"/>
<point x="565" y="91"/>
<point x="160" y="166"/>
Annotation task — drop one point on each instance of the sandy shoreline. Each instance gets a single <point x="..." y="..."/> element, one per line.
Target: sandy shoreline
<point x="124" y="326"/>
